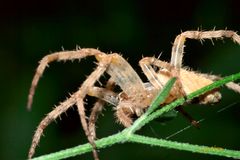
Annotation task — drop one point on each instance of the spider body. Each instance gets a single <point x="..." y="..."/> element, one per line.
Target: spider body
<point x="192" y="81"/>
<point x="135" y="95"/>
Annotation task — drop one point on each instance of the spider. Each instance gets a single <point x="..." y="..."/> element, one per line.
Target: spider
<point x="135" y="95"/>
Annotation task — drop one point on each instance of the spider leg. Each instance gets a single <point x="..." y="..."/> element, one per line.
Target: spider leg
<point x="104" y="94"/>
<point x="58" y="56"/>
<point x="96" y="110"/>
<point x="231" y="85"/>
<point x="123" y="114"/>
<point x="188" y="116"/>
<point x="98" y="107"/>
<point x="48" y="119"/>
<point x="87" y="84"/>
<point x="159" y="79"/>
<point x="146" y="66"/>
<point x="178" y="46"/>
<point x="69" y="55"/>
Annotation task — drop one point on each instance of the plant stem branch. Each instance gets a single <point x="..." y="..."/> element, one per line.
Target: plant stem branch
<point x="127" y="135"/>
<point x="85" y="148"/>
<point x="185" y="146"/>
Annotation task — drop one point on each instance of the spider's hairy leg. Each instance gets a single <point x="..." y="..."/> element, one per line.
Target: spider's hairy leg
<point x="48" y="119"/>
<point x="178" y="46"/>
<point x="231" y="85"/>
<point x="96" y="110"/>
<point x="188" y="116"/>
<point x="124" y="113"/>
<point x="83" y="90"/>
<point x="159" y="79"/>
<point x="146" y="66"/>
<point x="105" y="94"/>
<point x="58" y="56"/>
<point x="98" y="107"/>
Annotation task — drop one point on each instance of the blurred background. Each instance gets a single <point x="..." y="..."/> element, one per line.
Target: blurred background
<point x="30" y="30"/>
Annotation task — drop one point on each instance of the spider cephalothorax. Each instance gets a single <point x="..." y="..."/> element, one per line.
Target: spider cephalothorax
<point x="135" y="96"/>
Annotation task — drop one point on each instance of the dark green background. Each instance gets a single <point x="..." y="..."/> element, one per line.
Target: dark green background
<point x="31" y="30"/>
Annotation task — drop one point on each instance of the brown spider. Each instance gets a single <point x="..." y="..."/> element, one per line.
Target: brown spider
<point x="135" y="96"/>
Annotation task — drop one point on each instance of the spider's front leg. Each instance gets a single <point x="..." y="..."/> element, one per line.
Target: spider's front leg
<point x="158" y="78"/>
<point x="178" y="45"/>
<point x="178" y="51"/>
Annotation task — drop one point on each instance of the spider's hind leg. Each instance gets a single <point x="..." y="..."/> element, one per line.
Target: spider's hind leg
<point x="83" y="91"/>
<point x="48" y="119"/>
<point x="98" y="107"/>
<point x="188" y="116"/>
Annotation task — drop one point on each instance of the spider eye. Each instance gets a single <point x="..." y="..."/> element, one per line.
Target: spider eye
<point x="159" y="69"/>
<point x="156" y="68"/>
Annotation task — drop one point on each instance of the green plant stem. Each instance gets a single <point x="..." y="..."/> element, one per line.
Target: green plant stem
<point x="185" y="146"/>
<point x="214" y="85"/>
<point x="127" y="135"/>
<point x="81" y="149"/>
<point x="121" y="137"/>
